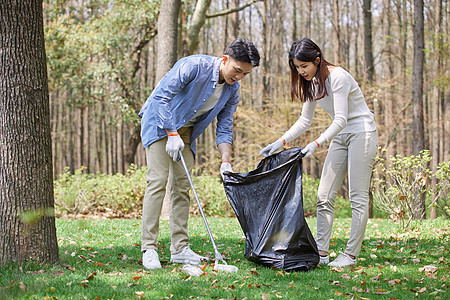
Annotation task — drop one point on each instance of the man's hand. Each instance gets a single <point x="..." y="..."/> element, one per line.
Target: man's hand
<point x="270" y="149"/>
<point x="173" y="145"/>
<point x="225" y="167"/>
<point x="310" y="148"/>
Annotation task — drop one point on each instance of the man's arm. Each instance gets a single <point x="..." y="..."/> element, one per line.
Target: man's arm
<point x="225" y="151"/>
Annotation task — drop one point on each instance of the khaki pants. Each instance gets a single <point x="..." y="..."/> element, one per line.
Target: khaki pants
<point x="160" y="166"/>
<point x="353" y="153"/>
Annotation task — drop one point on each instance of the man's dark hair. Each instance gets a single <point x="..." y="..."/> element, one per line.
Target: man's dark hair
<point x="243" y="50"/>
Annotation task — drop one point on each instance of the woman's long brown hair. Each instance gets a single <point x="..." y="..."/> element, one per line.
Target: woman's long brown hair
<point x="302" y="89"/>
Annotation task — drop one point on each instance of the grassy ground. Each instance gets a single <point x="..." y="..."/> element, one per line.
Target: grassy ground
<point x="100" y="259"/>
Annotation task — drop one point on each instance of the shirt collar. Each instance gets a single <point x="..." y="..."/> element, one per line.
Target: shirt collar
<point x="217" y="63"/>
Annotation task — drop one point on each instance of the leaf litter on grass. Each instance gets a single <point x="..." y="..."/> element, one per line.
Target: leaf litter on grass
<point x="111" y="250"/>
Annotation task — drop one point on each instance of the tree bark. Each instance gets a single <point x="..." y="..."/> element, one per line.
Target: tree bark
<point x="336" y="33"/>
<point x="167" y="56"/>
<point x="27" y="222"/>
<point x="198" y="19"/>
<point x="436" y="117"/>
<point x="368" y="53"/>
<point x="418" y="128"/>
<point x="167" y="36"/>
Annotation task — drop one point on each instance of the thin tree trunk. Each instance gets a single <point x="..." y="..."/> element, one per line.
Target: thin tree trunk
<point x="336" y="33"/>
<point x="368" y="53"/>
<point x="418" y="128"/>
<point x="436" y="118"/>
<point x="27" y="222"/>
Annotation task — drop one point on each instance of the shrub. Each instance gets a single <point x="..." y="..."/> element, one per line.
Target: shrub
<point x="122" y="195"/>
<point x="398" y="180"/>
<point x="112" y="195"/>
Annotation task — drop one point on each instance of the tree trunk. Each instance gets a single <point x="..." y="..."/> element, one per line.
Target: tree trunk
<point x="167" y="56"/>
<point x="436" y="117"/>
<point x="27" y="222"/>
<point x="368" y="53"/>
<point x="167" y="36"/>
<point x="336" y="33"/>
<point x="198" y="19"/>
<point x="418" y="128"/>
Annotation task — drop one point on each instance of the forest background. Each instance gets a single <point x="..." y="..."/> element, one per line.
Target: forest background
<point x="102" y="65"/>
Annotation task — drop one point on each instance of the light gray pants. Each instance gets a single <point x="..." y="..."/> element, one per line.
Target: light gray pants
<point x="160" y="165"/>
<point x="352" y="153"/>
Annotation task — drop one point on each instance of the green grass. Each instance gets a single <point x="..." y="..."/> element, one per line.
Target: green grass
<point x="100" y="259"/>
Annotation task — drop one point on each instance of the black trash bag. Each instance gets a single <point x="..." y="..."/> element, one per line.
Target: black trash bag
<point x="268" y="203"/>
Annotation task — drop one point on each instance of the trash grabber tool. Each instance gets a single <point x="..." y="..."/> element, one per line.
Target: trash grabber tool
<point x="218" y="257"/>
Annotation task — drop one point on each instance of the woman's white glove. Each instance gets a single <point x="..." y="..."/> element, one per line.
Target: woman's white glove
<point x="310" y="148"/>
<point x="270" y="149"/>
<point x="225" y="167"/>
<point x="173" y="145"/>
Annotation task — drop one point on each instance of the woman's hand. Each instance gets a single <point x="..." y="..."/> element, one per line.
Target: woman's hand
<point x="270" y="149"/>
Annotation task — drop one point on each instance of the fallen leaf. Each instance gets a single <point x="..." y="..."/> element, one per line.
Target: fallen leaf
<point x="99" y="265"/>
<point x="139" y="294"/>
<point x="381" y="292"/>
<point x="422" y="290"/>
<point x="91" y="276"/>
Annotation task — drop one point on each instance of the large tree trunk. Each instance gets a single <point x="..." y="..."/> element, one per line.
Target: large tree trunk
<point x="27" y="222"/>
<point x="167" y="56"/>
<point x="418" y="129"/>
<point x="167" y="36"/>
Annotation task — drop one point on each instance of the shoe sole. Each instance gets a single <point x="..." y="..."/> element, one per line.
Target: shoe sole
<point x="185" y="261"/>
<point x="153" y="268"/>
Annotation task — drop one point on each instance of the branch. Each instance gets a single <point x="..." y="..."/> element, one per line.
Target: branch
<point x="231" y="10"/>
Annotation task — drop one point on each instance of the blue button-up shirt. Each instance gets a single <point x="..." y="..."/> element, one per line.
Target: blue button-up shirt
<point x="181" y="93"/>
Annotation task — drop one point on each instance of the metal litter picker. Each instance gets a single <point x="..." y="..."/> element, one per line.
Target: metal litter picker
<point x="223" y="266"/>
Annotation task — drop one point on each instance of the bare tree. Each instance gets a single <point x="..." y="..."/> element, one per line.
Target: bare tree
<point x="336" y="33"/>
<point x="27" y="222"/>
<point x="418" y="128"/>
<point x="368" y="54"/>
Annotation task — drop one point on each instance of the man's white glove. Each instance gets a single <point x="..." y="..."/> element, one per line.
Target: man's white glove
<point x="270" y="149"/>
<point x="310" y="148"/>
<point x="173" y="145"/>
<point x="225" y="167"/>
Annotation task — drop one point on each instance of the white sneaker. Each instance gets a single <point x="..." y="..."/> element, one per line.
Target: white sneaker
<point x="324" y="260"/>
<point x="150" y="259"/>
<point x="187" y="256"/>
<point x="343" y="260"/>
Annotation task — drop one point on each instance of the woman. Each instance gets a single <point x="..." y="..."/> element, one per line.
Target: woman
<point x="352" y="136"/>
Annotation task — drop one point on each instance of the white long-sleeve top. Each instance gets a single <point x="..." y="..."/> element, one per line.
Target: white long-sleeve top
<point x="346" y="105"/>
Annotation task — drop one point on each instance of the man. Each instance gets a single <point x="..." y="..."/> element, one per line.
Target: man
<point x="191" y="95"/>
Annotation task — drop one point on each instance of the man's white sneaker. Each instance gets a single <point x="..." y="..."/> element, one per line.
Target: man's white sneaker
<point x="342" y="260"/>
<point x="187" y="256"/>
<point x="324" y="260"/>
<point x="150" y="259"/>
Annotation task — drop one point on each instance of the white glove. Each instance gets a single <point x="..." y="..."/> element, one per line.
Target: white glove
<point x="173" y="145"/>
<point x="270" y="149"/>
<point x="310" y="148"/>
<point x="225" y="167"/>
